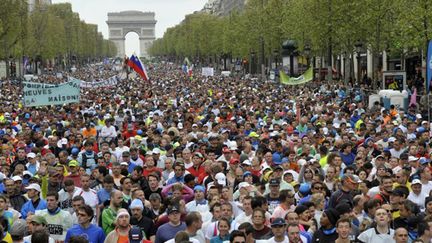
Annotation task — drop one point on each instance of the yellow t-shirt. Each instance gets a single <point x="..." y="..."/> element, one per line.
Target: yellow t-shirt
<point x="8" y="238"/>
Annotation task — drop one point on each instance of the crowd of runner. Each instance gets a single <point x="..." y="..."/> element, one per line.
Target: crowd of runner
<point x="212" y="159"/>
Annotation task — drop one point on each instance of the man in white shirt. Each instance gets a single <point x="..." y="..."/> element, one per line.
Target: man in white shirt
<point x="278" y="227"/>
<point x="108" y="132"/>
<point x="381" y="233"/>
<point x="89" y="195"/>
<point x="120" y="149"/>
<point x="416" y="196"/>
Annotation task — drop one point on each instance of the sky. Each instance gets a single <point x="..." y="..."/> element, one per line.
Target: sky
<point x="168" y="13"/>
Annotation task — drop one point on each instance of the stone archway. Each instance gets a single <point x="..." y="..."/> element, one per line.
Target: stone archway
<point x="142" y="23"/>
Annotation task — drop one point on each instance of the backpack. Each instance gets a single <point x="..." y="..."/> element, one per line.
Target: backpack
<point x="135" y="234"/>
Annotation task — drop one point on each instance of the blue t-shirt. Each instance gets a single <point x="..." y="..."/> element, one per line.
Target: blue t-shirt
<point x="167" y="232"/>
<point x="103" y="195"/>
<point x="93" y="233"/>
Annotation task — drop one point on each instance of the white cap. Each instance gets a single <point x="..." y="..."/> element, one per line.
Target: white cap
<point x="149" y="152"/>
<point x="243" y="184"/>
<point x="194" y="125"/>
<point x="247" y="162"/>
<point x="27" y="173"/>
<point x="34" y="186"/>
<point x="17" y="178"/>
<point x="31" y="155"/>
<point x="412" y="158"/>
<point x="416" y="181"/>
<point x="391" y="139"/>
<point x="156" y="151"/>
<point x="124" y="163"/>
<point x="221" y="178"/>
<point x="180" y="125"/>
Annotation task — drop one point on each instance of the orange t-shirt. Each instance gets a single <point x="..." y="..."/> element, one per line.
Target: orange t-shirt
<point x="123" y="239"/>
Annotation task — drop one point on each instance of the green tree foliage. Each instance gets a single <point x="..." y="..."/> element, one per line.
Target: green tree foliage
<point x="395" y="25"/>
<point x="49" y="31"/>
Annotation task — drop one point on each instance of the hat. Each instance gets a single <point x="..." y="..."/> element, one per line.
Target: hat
<point x="284" y="160"/>
<point x="234" y="161"/>
<point x="122" y="212"/>
<point x="18" y="228"/>
<point x="28" y="173"/>
<point x="412" y="158"/>
<point x="332" y="215"/>
<point x="304" y="189"/>
<point x="31" y="155"/>
<point x="247" y="173"/>
<point x="199" y="155"/>
<point x="351" y="178"/>
<point x="424" y="160"/>
<point x="247" y="162"/>
<point x="73" y="163"/>
<point x="274" y="182"/>
<point x="391" y="140"/>
<point x="221" y="178"/>
<point x="199" y="188"/>
<point x="34" y="186"/>
<point x="416" y="181"/>
<point x="253" y="135"/>
<point x="17" y="178"/>
<point x="156" y="151"/>
<point x="173" y="208"/>
<point x="278" y="221"/>
<point x="243" y="184"/>
<point x="136" y="203"/>
<point x="278" y="168"/>
<point x="38" y="219"/>
<point x="194" y="125"/>
<point x="124" y="163"/>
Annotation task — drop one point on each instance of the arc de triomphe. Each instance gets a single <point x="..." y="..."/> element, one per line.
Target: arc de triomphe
<point x="142" y="23"/>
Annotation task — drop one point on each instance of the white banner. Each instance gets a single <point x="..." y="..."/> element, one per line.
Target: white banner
<point x="207" y="71"/>
<point x="100" y="84"/>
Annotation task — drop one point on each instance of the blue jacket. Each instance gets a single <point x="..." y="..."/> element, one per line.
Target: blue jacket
<point x="28" y="207"/>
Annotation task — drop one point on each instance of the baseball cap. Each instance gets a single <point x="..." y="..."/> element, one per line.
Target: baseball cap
<point x="38" y="219"/>
<point x="220" y="178"/>
<point x="424" y="160"/>
<point x="199" y="155"/>
<point x="73" y="163"/>
<point x="246" y="162"/>
<point x="243" y="184"/>
<point x="412" y="158"/>
<point x="136" y="203"/>
<point x="17" y="178"/>
<point x="351" y="178"/>
<point x="247" y="173"/>
<point x="416" y="181"/>
<point x="31" y="155"/>
<point x="18" y="228"/>
<point x="173" y="208"/>
<point x="34" y="186"/>
<point x="278" y="222"/>
<point x="156" y="151"/>
<point x="124" y="163"/>
<point x="274" y="182"/>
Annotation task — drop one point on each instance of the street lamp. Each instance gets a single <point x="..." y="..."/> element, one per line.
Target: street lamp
<point x="358" y="45"/>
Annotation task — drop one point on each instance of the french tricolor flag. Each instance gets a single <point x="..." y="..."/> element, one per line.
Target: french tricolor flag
<point x="138" y="67"/>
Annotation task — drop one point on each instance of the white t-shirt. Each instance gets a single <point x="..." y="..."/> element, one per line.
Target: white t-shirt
<point x="372" y="236"/>
<point x="90" y="197"/>
<point x="272" y="240"/>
